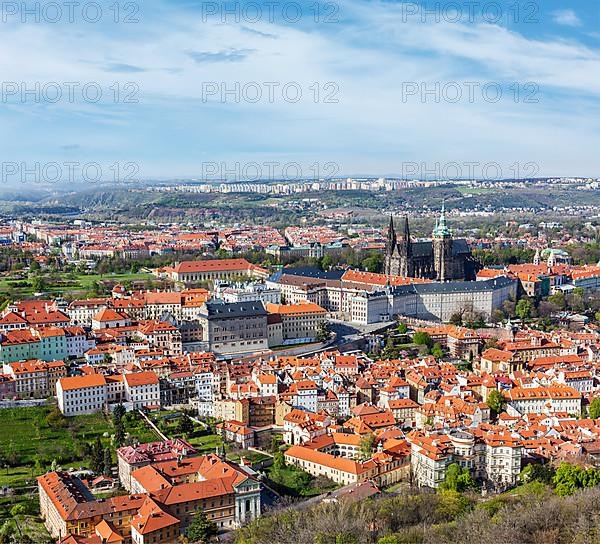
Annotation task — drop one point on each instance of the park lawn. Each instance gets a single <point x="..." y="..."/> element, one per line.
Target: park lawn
<point x="86" y="281"/>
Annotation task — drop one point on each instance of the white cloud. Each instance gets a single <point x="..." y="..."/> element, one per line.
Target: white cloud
<point x="566" y="17"/>
<point x="370" y="130"/>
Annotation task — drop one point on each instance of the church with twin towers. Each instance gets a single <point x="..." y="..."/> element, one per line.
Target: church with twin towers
<point x="442" y="258"/>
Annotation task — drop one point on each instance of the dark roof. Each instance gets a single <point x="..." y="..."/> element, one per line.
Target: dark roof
<point x="464" y="286"/>
<point x="310" y="272"/>
<point x="425" y="248"/>
<point x="449" y="287"/>
<point x="220" y="310"/>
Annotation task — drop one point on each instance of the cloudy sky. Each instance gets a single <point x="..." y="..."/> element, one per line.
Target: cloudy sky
<point x="353" y="87"/>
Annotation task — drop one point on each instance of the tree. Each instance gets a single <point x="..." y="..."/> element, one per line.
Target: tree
<point x="456" y="318"/>
<point x="185" y="425"/>
<point x="107" y="463"/>
<point x="458" y="479"/>
<point x="97" y="457"/>
<point x="402" y="328"/>
<point x="496" y="401"/>
<point x="201" y="529"/>
<point x="422" y="338"/>
<point x="594" y="409"/>
<point x="523" y="309"/>
<point x="38" y="284"/>
<point x="366" y="445"/>
<point x="491" y="343"/>
<point x="558" y="300"/>
<point x="437" y="350"/>
<point x="55" y="419"/>
<point x="374" y="262"/>
<point x="536" y="472"/>
<point x="119" y="433"/>
<point x="118" y="413"/>
<point x="326" y="262"/>
<point x="323" y="333"/>
<point x="279" y="460"/>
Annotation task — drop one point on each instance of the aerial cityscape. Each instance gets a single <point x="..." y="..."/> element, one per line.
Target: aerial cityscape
<point x="300" y="273"/>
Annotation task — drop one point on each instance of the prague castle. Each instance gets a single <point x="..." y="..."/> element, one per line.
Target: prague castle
<point x="442" y="258"/>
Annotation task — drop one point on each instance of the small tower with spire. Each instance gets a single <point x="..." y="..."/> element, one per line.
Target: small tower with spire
<point x="536" y="257"/>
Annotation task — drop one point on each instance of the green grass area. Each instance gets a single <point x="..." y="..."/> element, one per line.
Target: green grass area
<point x="207" y="443"/>
<point x="474" y="190"/>
<point x="294" y="482"/>
<point x="86" y="281"/>
<point x="251" y="456"/>
<point x="29" y="444"/>
<point x="72" y="283"/>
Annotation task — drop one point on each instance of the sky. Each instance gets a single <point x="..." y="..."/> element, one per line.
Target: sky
<point x="122" y="91"/>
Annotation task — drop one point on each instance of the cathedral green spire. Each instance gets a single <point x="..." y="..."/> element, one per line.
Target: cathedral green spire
<point x="441" y="229"/>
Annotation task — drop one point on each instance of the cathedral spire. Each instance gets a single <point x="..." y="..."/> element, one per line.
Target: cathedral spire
<point x="391" y="234"/>
<point x="441" y="229"/>
<point x="406" y="230"/>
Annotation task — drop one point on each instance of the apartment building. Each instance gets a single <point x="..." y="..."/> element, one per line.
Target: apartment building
<point x="492" y="454"/>
<point x="35" y="378"/>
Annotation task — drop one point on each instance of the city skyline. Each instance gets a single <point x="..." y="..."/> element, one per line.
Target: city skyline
<point x="379" y="84"/>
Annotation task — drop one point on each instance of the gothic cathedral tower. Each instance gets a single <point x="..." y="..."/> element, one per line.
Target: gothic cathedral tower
<point x="398" y="254"/>
<point x="442" y="249"/>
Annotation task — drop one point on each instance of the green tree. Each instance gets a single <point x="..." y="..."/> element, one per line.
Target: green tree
<point x="458" y="478"/>
<point x="201" y="529"/>
<point x="422" y="338"/>
<point x="523" y="309"/>
<point x="558" y="299"/>
<point x="594" y="409"/>
<point x="118" y="413"/>
<point x="402" y="328"/>
<point x="567" y="479"/>
<point x="374" y="262"/>
<point x="119" y="433"/>
<point x="107" y="469"/>
<point x="536" y="472"/>
<point x="437" y="350"/>
<point x="97" y="457"/>
<point x="496" y="401"/>
<point x="367" y="443"/>
<point x="185" y="425"/>
<point x="326" y="262"/>
<point x="279" y="461"/>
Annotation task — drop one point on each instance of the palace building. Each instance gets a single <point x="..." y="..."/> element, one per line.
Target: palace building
<point x="442" y="258"/>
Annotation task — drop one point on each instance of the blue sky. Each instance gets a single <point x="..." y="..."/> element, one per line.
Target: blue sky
<point x="367" y="57"/>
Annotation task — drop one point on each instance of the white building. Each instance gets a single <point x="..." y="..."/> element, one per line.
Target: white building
<point x="142" y="389"/>
<point x="79" y="395"/>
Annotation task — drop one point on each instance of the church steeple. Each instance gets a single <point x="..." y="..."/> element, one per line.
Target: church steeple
<point x="406" y="230"/>
<point x="441" y="229"/>
<point x="391" y="241"/>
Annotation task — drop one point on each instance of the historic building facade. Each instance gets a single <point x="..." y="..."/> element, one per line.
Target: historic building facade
<point x="443" y="258"/>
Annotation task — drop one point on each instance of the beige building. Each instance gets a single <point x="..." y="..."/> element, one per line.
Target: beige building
<point x="215" y="269"/>
<point x="300" y="322"/>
